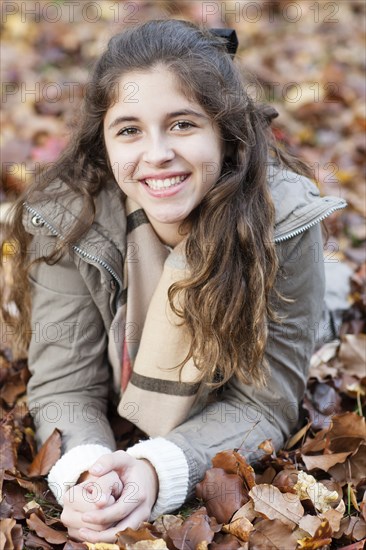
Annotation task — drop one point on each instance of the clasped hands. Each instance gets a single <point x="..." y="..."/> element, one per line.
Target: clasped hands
<point x="119" y="491"/>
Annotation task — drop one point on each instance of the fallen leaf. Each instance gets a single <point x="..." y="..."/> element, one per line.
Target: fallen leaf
<point x="166" y="521"/>
<point x="353" y="470"/>
<point x="130" y="536"/>
<point x="223" y="494"/>
<point x="272" y="504"/>
<point x="194" y="530"/>
<point x="225" y="542"/>
<point x="322" y="537"/>
<point x="272" y="535"/>
<point x="347" y="432"/>
<point x="11" y="535"/>
<point x="8" y="453"/>
<point x="32" y="541"/>
<point x="308" y="488"/>
<point x="47" y="456"/>
<point x="297" y="436"/>
<point x="246" y="511"/>
<point x="334" y="518"/>
<point x="158" y="544"/>
<point x="44" y="531"/>
<point x="324" y="462"/>
<point x="310" y="524"/>
<point x="352" y="353"/>
<point x="234" y="463"/>
<point x="240" y="528"/>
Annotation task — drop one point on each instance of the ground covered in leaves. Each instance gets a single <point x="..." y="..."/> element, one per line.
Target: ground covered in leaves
<point x="306" y="58"/>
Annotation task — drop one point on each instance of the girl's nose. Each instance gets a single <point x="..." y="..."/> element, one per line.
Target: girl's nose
<point x="158" y="150"/>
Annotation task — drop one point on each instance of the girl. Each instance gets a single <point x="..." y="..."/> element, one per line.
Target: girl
<point x="174" y="267"/>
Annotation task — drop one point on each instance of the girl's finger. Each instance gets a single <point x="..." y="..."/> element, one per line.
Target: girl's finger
<point x="108" y="462"/>
<point x="133" y="521"/>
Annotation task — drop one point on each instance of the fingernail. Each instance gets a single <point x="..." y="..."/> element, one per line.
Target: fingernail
<point x="87" y="517"/>
<point x="96" y="469"/>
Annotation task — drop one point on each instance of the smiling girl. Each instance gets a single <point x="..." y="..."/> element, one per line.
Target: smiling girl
<point x="174" y="247"/>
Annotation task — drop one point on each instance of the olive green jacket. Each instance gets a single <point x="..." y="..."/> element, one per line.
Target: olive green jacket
<point x="75" y="353"/>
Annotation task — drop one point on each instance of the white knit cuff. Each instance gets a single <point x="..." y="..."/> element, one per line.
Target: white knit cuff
<point x="172" y="469"/>
<point x="65" y="473"/>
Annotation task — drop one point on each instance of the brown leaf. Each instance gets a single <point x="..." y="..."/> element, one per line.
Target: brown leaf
<point x="32" y="541"/>
<point x="223" y="494"/>
<point x="15" y="496"/>
<point x="347" y="432"/>
<point x="334" y="518"/>
<point x="352" y="470"/>
<point x="310" y="524"/>
<point x="234" y="463"/>
<point x="322" y="537"/>
<point x="73" y="545"/>
<point x="8" y="454"/>
<point x="194" y="530"/>
<point x="167" y="521"/>
<point x="240" y="528"/>
<point x="324" y="462"/>
<point x="317" y="444"/>
<point x="225" y="542"/>
<point x="130" y="536"/>
<point x="272" y="504"/>
<point x="247" y="511"/>
<point x="355" y="546"/>
<point x="12" y="534"/>
<point x="44" y="531"/>
<point x="272" y="535"/>
<point x="352" y="353"/>
<point x="47" y="456"/>
<point x="297" y="436"/>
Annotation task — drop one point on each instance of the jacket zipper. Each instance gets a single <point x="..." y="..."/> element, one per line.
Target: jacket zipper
<point x="310" y="224"/>
<point x="77" y="249"/>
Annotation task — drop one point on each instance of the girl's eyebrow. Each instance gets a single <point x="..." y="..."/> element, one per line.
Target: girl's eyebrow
<point x="122" y="119"/>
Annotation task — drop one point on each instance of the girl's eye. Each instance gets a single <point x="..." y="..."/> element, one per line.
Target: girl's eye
<point x="184" y="124"/>
<point x="130" y="131"/>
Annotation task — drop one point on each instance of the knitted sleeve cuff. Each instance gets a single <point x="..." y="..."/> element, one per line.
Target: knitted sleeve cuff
<point x="172" y="469"/>
<point x="65" y="473"/>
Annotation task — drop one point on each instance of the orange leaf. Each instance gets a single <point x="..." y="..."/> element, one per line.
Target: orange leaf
<point x="47" y="456"/>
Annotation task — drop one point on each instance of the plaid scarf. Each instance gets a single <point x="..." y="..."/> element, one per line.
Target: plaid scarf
<point x="155" y="341"/>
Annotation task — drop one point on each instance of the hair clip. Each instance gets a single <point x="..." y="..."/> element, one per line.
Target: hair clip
<point x="230" y="37"/>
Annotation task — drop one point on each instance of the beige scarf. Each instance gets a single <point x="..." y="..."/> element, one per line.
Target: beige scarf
<point x="155" y="339"/>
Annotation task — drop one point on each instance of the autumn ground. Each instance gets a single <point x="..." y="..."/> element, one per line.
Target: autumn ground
<point x="308" y="61"/>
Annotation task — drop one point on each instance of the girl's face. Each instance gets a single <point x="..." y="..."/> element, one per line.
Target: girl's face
<point x="165" y="151"/>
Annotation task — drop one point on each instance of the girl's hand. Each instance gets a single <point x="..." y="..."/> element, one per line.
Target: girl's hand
<point x="92" y="494"/>
<point x="140" y="489"/>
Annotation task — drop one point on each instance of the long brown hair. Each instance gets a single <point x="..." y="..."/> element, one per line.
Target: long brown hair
<point x="230" y="248"/>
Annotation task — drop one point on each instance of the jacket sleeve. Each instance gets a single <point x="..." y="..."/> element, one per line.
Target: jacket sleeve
<point x="246" y="416"/>
<point x="70" y="375"/>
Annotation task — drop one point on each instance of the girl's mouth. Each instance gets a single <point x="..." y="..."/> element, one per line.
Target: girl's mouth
<point x="165" y="187"/>
<point x="160" y="184"/>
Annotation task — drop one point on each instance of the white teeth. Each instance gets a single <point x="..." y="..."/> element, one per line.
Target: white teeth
<point x="165" y="183"/>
